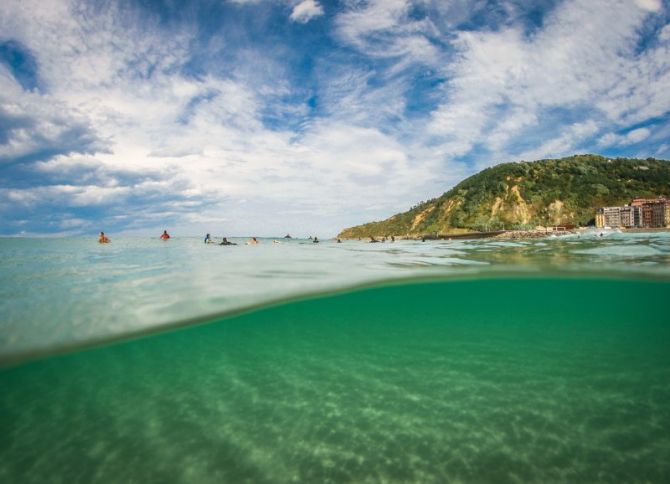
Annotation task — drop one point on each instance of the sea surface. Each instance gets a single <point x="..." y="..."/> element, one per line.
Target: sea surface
<point x="544" y="360"/>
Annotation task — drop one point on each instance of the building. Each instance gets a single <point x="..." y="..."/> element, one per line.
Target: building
<point x="653" y="215"/>
<point x="609" y="217"/>
<point x="642" y="212"/>
<point x="627" y="215"/>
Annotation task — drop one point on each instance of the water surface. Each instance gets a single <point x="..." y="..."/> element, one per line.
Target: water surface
<point x="65" y="292"/>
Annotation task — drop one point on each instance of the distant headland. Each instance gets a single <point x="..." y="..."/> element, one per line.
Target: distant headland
<point x="526" y="195"/>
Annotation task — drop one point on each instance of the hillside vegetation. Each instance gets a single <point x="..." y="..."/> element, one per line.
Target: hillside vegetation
<point x="524" y="195"/>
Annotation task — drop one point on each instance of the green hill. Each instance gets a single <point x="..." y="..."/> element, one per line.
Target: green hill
<point x="527" y="194"/>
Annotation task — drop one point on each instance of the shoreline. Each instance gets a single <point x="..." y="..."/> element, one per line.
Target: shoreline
<point x="509" y="234"/>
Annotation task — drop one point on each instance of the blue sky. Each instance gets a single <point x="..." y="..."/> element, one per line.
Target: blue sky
<point x="261" y="117"/>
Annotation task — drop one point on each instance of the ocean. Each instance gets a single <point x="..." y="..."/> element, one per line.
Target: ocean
<point x="543" y="360"/>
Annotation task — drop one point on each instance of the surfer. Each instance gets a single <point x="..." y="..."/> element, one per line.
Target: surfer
<point x="225" y="242"/>
<point x="373" y="240"/>
<point x="165" y="235"/>
<point x="316" y="240"/>
<point x="103" y="239"/>
<point x="253" y="241"/>
<point x="208" y="239"/>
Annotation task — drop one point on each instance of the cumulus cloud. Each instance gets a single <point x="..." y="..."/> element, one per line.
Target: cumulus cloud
<point x="305" y="11"/>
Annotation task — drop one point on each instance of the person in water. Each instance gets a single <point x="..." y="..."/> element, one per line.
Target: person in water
<point x="253" y="241"/>
<point x="316" y="240"/>
<point x="103" y="239"/>
<point x="225" y="242"/>
<point x="208" y="239"/>
<point x="165" y="235"/>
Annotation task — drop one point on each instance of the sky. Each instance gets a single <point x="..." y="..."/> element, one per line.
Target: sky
<point x="266" y="117"/>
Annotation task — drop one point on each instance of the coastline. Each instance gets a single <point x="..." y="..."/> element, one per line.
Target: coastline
<point x="509" y="234"/>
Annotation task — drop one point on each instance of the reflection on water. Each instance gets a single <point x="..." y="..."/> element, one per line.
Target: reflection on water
<point x="64" y="291"/>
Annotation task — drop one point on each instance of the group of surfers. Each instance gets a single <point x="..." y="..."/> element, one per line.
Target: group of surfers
<point x="103" y="239"/>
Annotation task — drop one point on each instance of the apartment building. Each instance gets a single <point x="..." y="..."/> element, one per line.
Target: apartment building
<point x="642" y="212"/>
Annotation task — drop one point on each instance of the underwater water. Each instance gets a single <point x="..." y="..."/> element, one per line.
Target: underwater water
<point x="534" y="361"/>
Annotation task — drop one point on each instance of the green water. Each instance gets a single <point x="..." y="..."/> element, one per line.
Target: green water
<point x="499" y="380"/>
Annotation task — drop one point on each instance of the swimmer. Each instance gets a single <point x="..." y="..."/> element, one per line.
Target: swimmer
<point x="276" y="242"/>
<point x="103" y="239"/>
<point x="225" y="242"/>
<point x="165" y="235"/>
<point x="253" y="241"/>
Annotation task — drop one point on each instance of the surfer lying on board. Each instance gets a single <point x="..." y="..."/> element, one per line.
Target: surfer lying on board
<point x="225" y="242"/>
<point x="165" y="235"/>
<point x="103" y="239"/>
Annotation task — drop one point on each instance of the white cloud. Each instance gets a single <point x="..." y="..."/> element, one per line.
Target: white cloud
<point x="583" y="59"/>
<point x="650" y="5"/>
<point x="564" y="144"/>
<point x="66" y="195"/>
<point x="632" y="137"/>
<point x="383" y="28"/>
<point x="306" y="10"/>
<point x="637" y="135"/>
<point x="206" y="138"/>
<point x="664" y="34"/>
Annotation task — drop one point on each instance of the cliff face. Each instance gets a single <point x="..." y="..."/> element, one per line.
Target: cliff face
<point x="526" y="194"/>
